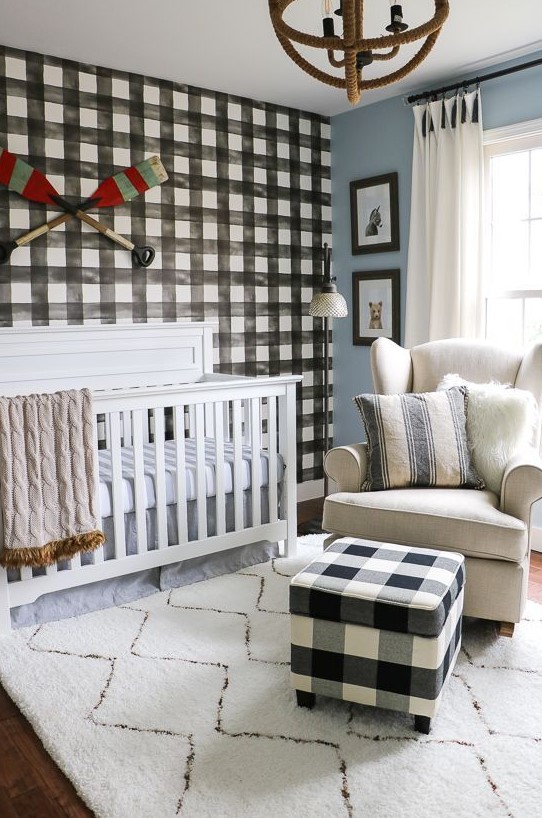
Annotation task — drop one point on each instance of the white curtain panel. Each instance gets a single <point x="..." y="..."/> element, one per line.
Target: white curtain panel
<point x="444" y="276"/>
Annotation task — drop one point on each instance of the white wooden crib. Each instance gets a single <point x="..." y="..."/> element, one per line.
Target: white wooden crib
<point x="145" y="377"/>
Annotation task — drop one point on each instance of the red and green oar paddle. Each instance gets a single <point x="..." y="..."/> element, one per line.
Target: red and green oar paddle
<point x="21" y="177"/>
<point x="122" y="187"/>
<point x="17" y="175"/>
<point x="126" y="185"/>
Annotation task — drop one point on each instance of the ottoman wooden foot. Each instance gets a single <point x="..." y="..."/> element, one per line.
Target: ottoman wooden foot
<point x="305" y="699"/>
<point x="422" y="724"/>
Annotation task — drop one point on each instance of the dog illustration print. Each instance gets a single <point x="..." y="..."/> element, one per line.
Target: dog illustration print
<point x="375" y="221"/>
<point x="375" y="315"/>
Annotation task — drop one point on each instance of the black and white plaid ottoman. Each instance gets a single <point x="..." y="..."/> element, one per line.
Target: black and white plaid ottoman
<point x="378" y="624"/>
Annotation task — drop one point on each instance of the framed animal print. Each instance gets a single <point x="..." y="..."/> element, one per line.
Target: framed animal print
<point x="374" y="214"/>
<point x="376" y="299"/>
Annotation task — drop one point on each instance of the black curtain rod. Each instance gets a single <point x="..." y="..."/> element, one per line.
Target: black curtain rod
<point x="474" y="81"/>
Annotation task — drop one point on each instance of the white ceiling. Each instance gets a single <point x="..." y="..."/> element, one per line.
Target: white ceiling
<point x="229" y="45"/>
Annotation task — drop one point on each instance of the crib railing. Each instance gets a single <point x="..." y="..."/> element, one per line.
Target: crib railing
<point x="217" y="417"/>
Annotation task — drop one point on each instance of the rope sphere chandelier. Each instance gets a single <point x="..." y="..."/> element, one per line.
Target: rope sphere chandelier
<point x="355" y="51"/>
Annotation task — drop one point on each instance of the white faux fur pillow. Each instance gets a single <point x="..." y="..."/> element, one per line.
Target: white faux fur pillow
<point x="500" y="422"/>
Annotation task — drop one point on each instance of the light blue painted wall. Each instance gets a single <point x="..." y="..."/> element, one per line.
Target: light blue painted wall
<point x="378" y="139"/>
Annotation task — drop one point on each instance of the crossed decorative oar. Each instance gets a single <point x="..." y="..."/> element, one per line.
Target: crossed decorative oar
<point x="17" y="175"/>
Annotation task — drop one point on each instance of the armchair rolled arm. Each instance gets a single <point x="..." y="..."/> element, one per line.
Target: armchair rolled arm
<point x="347" y="465"/>
<point x="522" y="484"/>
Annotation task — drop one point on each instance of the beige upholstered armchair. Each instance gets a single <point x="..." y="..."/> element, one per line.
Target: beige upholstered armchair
<point x="492" y="529"/>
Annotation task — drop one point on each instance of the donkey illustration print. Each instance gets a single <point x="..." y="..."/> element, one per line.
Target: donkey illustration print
<point x="375" y="221"/>
<point x="375" y="315"/>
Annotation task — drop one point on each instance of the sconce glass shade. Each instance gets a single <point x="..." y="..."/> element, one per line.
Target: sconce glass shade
<point x="328" y="304"/>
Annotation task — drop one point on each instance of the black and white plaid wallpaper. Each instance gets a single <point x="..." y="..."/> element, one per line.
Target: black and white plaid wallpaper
<point x="238" y="229"/>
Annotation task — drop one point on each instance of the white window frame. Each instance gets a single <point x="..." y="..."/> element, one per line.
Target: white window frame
<point x="497" y="142"/>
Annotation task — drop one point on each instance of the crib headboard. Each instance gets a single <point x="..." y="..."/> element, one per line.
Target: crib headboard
<point x="105" y="356"/>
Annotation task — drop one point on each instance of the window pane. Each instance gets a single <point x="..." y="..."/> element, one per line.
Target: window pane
<point x="533" y="320"/>
<point x="505" y="321"/>
<point x="510" y="255"/>
<point x="510" y="180"/>
<point x="514" y="251"/>
<point x="509" y="225"/>
<point x="536" y="253"/>
<point x="536" y="184"/>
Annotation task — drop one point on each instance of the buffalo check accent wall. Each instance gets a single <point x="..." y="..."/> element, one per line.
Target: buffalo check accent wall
<point x="238" y="229"/>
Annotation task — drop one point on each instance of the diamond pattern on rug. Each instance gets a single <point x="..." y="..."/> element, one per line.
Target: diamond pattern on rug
<point x="178" y="698"/>
<point x="457" y="720"/>
<point x="108" y="633"/>
<point x="514" y="764"/>
<point x="269" y="637"/>
<point x="180" y="706"/>
<point x="426" y="778"/>
<point x="274" y="596"/>
<point x="519" y="693"/>
<point x="187" y="633"/>
<point x="235" y="593"/>
<point x="254" y="777"/>
<point x="147" y="768"/>
<point x="271" y="710"/>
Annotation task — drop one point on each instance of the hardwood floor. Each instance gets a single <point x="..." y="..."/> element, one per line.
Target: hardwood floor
<point x="535" y="577"/>
<point x="32" y="786"/>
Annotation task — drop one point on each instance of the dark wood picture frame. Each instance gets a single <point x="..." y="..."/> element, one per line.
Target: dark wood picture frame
<point x="376" y="306"/>
<point x="374" y="214"/>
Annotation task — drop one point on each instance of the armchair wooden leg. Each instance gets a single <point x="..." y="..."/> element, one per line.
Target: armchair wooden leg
<point x="505" y="629"/>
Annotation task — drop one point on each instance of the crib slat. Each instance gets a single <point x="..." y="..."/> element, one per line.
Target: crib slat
<point x="287" y="442"/>
<point x="113" y="426"/>
<point x="256" y="462"/>
<point x="209" y="420"/>
<point x="75" y="562"/>
<point x="247" y="422"/>
<point x="146" y="426"/>
<point x="26" y="573"/>
<point x="237" y="418"/>
<point x="180" y="474"/>
<point x="226" y="421"/>
<point x="161" y="512"/>
<point x="191" y="417"/>
<point x="272" y="460"/>
<point x="220" y="497"/>
<point x="126" y="429"/>
<point x="5" y="618"/>
<point x="98" y="554"/>
<point x="201" y="483"/>
<point x="139" y="418"/>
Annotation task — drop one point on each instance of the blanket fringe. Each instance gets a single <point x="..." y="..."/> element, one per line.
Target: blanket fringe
<point x="51" y="552"/>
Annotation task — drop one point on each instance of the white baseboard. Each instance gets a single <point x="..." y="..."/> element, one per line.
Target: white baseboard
<point x="310" y="490"/>
<point x="536" y="538"/>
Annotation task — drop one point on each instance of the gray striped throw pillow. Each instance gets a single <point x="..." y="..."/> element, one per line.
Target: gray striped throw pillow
<point x="417" y="439"/>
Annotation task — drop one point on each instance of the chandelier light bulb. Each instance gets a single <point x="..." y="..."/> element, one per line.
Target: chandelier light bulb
<point x="397" y="23"/>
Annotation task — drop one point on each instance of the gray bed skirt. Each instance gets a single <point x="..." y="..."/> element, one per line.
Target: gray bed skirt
<point x="127" y="588"/>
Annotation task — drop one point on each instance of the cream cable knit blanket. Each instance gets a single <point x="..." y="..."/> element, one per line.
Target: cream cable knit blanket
<point x="47" y="478"/>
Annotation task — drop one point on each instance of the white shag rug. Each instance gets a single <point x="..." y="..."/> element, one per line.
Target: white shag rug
<point x="179" y="704"/>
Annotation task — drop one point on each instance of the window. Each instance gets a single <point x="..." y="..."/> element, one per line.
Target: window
<point x="513" y="277"/>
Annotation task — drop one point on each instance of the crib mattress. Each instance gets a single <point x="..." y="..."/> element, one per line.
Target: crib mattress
<point x="127" y="457"/>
